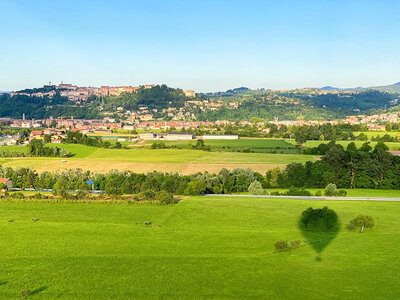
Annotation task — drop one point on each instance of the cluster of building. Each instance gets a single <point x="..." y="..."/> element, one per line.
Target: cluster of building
<point x="77" y="94"/>
<point x="179" y="136"/>
<point x="373" y="122"/>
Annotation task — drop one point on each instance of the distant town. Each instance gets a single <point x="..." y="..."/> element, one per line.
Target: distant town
<point x="175" y="118"/>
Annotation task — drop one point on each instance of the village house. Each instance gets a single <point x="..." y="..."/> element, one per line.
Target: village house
<point x="220" y="137"/>
<point x="177" y="136"/>
<point x="7" y="182"/>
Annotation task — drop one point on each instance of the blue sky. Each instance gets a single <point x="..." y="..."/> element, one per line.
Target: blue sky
<point x="202" y="45"/>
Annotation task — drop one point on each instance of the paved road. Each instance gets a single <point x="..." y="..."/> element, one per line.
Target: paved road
<point x="394" y="199"/>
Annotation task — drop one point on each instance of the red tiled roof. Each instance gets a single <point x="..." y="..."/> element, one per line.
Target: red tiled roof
<point x="4" y="180"/>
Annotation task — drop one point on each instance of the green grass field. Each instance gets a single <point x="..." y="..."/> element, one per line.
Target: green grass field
<point x="254" y="145"/>
<point x="144" y="160"/>
<point x="201" y="248"/>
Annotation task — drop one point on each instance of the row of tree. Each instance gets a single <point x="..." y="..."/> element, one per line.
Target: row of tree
<point x="353" y="167"/>
<point x="127" y="182"/>
<point x="75" y="137"/>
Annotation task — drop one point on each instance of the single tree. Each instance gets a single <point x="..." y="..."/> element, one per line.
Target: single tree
<point x="330" y="190"/>
<point x="255" y="188"/>
<point x="363" y="221"/>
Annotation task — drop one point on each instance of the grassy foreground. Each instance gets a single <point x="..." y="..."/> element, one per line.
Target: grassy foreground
<point x="201" y="248"/>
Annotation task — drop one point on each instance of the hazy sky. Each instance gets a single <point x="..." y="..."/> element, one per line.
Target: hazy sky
<point x="205" y="45"/>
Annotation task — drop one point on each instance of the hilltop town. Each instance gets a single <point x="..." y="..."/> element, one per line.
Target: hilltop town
<point x="192" y="110"/>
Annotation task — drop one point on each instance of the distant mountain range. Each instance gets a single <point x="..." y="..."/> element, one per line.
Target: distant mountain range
<point x="392" y="88"/>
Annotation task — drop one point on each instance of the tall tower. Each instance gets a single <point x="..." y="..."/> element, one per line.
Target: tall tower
<point x="23" y="116"/>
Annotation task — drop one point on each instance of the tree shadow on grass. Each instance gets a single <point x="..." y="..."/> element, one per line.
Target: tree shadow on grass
<point x="38" y="290"/>
<point x="3" y="283"/>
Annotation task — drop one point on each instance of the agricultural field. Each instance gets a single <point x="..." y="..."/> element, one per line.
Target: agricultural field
<point x="144" y="160"/>
<point x="200" y="248"/>
<point x="257" y="145"/>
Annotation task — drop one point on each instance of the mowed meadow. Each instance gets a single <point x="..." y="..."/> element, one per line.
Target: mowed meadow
<point x="200" y="248"/>
<point x="144" y="159"/>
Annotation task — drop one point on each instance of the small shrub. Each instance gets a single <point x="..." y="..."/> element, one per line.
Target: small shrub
<point x="330" y="190"/>
<point x="38" y="196"/>
<point x="282" y="245"/>
<point x="82" y="194"/>
<point x="341" y="193"/>
<point x="294" y="191"/>
<point x="164" y="197"/>
<point x="25" y="293"/>
<point x="318" y="193"/>
<point x="294" y="244"/>
<point x="147" y="195"/>
<point x="147" y="223"/>
<point x="255" y="188"/>
<point x="18" y="195"/>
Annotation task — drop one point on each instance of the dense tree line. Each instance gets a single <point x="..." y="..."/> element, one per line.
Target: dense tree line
<point x="362" y="101"/>
<point x="75" y="137"/>
<point x="306" y="132"/>
<point x="41" y="108"/>
<point x="127" y="182"/>
<point x="157" y="97"/>
<point x="353" y="167"/>
<point x="38" y="148"/>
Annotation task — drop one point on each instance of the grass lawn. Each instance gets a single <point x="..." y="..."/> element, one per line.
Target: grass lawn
<point x="78" y="151"/>
<point x="201" y="248"/>
<point x="256" y="145"/>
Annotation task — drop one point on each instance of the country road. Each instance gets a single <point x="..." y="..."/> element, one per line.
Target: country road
<point x="392" y="199"/>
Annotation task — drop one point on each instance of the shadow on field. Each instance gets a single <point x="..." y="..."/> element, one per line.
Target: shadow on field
<point x="319" y="227"/>
<point x="38" y="290"/>
<point x="3" y="283"/>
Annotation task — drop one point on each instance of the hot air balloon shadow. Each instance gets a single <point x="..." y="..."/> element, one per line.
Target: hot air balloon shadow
<point x="319" y="227"/>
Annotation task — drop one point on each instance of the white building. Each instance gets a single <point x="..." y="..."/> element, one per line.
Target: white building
<point x="220" y="137"/>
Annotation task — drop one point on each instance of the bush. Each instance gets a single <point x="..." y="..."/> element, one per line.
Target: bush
<point x="159" y="145"/>
<point x="282" y="245"/>
<point x="318" y="193"/>
<point x="18" y="195"/>
<point x="294" y="191"/>
<point x="341" y="193"/>
<point x="82" y="194"/>
<point x="165" y="197"/>
<point x="255" y="188"/>
<point x="147" y="195"/>
<point x="195" y="188"/>
<point x="330" y="190"/>
<point x="294" y="244"/>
